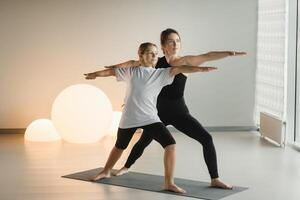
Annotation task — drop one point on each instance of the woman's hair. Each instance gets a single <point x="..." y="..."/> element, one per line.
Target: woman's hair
<point x="165" y="34"/>
<point x="144" y="46"/>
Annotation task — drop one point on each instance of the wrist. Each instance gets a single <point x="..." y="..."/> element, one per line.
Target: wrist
<point x="96" y="74"/>
<point x="231" y="53"/>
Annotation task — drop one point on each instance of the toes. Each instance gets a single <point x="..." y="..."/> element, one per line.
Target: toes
<point x="222" y="186"/>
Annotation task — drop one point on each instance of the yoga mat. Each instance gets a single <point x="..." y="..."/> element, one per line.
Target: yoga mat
<point x="154" y="183"/>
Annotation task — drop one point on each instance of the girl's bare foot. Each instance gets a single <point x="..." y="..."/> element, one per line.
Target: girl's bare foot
<point x="101" y="175"/>
<point x="174" y="188"/>
<point x="122" y="171"/>
<point x="217" y="183"/>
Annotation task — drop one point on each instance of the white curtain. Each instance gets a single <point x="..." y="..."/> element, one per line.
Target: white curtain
<point x="270" y="85"/>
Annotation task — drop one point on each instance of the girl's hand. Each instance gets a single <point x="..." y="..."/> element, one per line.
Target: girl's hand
<point x="90" y="76"/>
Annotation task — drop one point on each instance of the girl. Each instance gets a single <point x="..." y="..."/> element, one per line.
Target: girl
<point x="143" y="86"/>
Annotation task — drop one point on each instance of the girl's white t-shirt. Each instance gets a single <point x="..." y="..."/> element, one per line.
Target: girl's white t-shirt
<point x="143" y="87"/>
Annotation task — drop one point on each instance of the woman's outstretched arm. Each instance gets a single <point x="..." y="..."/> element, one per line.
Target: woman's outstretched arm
<point x="189" y="69"/>
<point x="101" y="73"/>
<point x="200" y="59"/>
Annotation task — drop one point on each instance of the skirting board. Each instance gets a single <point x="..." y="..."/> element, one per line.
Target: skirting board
<point x="171" y="128"/>
<point x="12" y="130"/>
<point x="223" y="128"/>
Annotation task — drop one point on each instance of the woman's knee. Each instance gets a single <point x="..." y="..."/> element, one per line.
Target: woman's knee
<point x="205" y="139"/>
<point x="208" y="140"/>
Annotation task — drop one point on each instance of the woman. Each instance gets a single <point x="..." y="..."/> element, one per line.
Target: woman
<point x="172" y="98"/>
<point x="143" y="86"/>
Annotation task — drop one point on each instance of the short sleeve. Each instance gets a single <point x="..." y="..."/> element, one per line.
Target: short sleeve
<point x="123" y="73"/>
<point x="164" y="75"/>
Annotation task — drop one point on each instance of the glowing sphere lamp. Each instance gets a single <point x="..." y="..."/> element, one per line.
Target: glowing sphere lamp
<point x="41" y="130"/>
<point x="82" y="113"/>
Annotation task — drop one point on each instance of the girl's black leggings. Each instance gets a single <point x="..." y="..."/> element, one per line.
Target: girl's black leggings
<point x="156" y="131"/>
<point x="188" y="125"/>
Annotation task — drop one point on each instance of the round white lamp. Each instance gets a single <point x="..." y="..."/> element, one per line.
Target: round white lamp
<point x="82" y="113"/>
<point x="41" y="130"/>
<point x="113" y="130"/>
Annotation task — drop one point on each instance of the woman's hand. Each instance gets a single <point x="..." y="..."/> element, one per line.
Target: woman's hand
<point x="236" y="53"/>
<point x="90" y="76"/>
<point x="193" y="60"/>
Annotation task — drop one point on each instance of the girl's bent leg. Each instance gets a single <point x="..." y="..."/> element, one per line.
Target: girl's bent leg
<point x="169" y="162"/>
<point x="162" y="135"/>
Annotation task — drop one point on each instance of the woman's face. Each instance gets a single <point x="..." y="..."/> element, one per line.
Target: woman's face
<point x="172" y="45"/>
<point x="150" y="56"/>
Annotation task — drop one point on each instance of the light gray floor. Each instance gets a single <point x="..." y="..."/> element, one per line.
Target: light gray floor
<point x="32" y="170"/>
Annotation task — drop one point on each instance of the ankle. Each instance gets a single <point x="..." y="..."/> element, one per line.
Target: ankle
<point x="106" y="171"/>
<point x="169" y="182"/>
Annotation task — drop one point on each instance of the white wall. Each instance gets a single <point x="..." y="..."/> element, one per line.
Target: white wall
<point x="47" y="45"/>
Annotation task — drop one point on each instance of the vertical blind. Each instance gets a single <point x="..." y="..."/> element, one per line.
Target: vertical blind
<point x="270" y="84"/>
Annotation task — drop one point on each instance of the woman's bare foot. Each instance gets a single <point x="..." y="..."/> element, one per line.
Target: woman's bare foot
<point x="101" y="175"/>
<point x="122" y="171"/>
<point x="217" y="183"/>
<point x="174" y="188"/>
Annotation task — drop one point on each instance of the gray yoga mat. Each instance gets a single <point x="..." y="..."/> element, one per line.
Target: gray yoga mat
<point x="154" y="183"/>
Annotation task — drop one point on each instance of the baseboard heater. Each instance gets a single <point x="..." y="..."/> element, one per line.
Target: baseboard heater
<point x="272" y="128"/>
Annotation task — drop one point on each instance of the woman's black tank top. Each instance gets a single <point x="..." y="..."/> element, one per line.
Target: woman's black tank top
<point x="171" y="98"/>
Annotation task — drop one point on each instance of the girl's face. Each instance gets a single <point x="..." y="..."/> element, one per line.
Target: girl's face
<point x="149" y="57"/>
<point x="172" y="45"/>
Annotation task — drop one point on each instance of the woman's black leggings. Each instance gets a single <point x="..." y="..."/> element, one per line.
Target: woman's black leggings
<point x="188" y="125"/>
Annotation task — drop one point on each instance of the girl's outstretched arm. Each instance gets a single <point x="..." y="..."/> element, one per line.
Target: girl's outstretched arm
<point x="189" y="69"/>
<point x="200" y="59"/>
<point x="130" y="63"/>
<point x="101" y="73"/>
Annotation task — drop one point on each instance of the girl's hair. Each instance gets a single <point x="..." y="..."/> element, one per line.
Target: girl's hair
<point x="165" y="34"/>
<point x="144" y="46"/>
